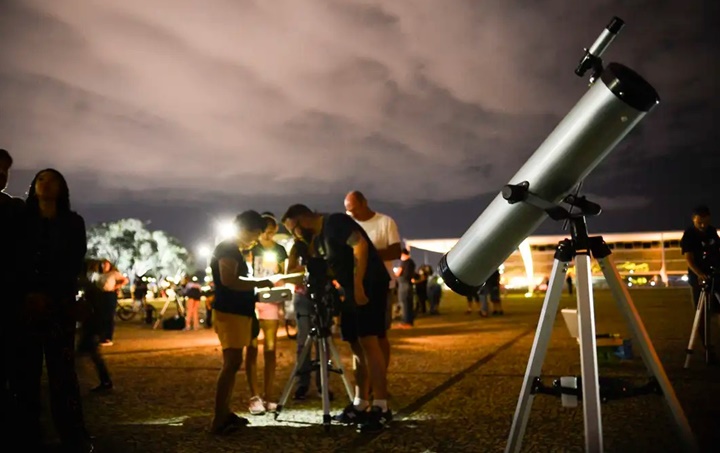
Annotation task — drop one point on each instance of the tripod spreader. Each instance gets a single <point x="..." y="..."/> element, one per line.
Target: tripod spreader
<point x="610" y="388"/>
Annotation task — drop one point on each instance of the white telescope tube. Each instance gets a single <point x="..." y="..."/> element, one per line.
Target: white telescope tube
<point x="604" y="115"/>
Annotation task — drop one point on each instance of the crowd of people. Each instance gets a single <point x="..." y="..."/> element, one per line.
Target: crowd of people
<point x="360" y="268"/>
<point x="44" y="264"/>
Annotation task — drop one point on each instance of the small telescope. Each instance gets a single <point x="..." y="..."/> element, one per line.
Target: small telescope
<point x="592" y="58"/>
<point x="617" y="100"/>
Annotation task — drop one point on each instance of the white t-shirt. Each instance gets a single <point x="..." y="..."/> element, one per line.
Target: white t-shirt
<point x="383" y="232"/>
<point x="108" y="281"/>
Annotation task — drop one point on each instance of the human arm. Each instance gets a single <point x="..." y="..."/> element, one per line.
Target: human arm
<point x="360" y="252"/>
<point x="393" y="250"/>
<point x="229" y="279"/>
<point x="120" y="280"/>
<point x="347" y="254"/>
<point x="692" y="265"/>
<point x="282" y="258"/>
<point x="294" y="263"/>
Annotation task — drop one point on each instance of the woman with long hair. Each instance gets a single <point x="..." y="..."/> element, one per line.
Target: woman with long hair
<point x="54" y="252"/>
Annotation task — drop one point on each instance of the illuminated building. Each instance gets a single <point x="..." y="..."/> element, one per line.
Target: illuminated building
<point x="643" y="259"/>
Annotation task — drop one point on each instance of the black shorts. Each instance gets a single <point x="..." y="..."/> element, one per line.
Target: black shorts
<point x="367" y="320"/>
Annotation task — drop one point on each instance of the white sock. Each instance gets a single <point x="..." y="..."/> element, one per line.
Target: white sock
<point x="360" y="404"/>
<point x="382" y="404"/>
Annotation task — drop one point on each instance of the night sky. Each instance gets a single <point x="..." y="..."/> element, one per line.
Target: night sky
<point x="182" y="112"/>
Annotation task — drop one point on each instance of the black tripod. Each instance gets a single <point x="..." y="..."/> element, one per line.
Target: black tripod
<point x="702" y="314"/>
<point x="321" y="337"/>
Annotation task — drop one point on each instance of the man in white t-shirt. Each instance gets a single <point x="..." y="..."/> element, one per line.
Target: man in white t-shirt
<point x="383" y="232"/>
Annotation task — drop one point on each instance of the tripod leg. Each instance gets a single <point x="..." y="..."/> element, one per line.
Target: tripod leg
<point x="588" y="356"/>
<point x="324" y="382"/>
<point x="706" y="323"/>
<point x="336" y="357"/>
<point x="537" y="355"/>
<point x="296" y="369"/>
<point x="694" y="331"/>
<point x="627" y="308"/>
<point x="162" y="313"/>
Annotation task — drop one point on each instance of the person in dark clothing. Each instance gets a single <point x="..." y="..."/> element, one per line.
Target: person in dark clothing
<point x="473" y="297"/>
<point x="12" y="212"/>
<point x="92" y="324"/>
<point x="353" y="261"/>
<point x="493" y="289"/>
<point x="303" y="308"/>
<point x="53" y="258"/>
<point x="420" y="284"/>
<point x="406" y="295"/>
<point x="700" y="245"/>
<point x="234" y="311"/>
<point x="209" y="299"/>
<point x="434" y="290"/>
<point x="569" y="281"/>
<point x="140" y="289"/>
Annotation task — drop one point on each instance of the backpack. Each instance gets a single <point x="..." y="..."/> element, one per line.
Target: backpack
<point x="177" y="322"/>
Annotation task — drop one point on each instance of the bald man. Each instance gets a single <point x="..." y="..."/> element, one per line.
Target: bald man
<point x="383" y="232"/>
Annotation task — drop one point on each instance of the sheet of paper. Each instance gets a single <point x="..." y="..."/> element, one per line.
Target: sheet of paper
<point x="297" y="277"/>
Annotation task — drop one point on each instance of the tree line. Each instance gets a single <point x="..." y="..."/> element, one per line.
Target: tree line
<point x="137" y="251"/>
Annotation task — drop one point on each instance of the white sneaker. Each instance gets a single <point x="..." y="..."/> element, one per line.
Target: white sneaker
<point x="271" y="407"/>
<point x="257" y="406"/>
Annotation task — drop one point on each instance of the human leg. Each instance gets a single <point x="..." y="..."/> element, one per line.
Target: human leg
<point x="234" y="333"/>
<point x="65" y="401"/>
<point x="269" y="328"/>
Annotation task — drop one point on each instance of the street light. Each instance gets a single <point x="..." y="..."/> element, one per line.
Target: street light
<point x="204" y="251"/>
<point x="224" y="229"/>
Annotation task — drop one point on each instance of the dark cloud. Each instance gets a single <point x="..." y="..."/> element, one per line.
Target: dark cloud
<point x="420" y="104"/>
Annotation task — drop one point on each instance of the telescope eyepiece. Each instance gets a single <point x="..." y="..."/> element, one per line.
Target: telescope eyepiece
<point x="615" y="25"/>
<point x="593" y="55"/>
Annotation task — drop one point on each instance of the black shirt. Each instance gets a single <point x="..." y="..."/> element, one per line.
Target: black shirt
<point x="54" y="255"/>
<point x="192" y="291"/>
<point x="705" y="247"/>
<point x="408" y="271"/>
<point x="12" y="229"/>
<point x="141" y="289"/>
<point x="228" y="300"/>
<point x="332" y="245"/>
<point x="494" y="280"/>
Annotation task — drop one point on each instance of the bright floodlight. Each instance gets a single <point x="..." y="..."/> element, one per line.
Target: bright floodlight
<point x="611" y="108"/>
<point x="225" y="229"/>
<point x="204" y="251"/>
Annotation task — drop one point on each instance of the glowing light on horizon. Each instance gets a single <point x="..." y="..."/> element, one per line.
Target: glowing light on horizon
<point x="526" y="255"/>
